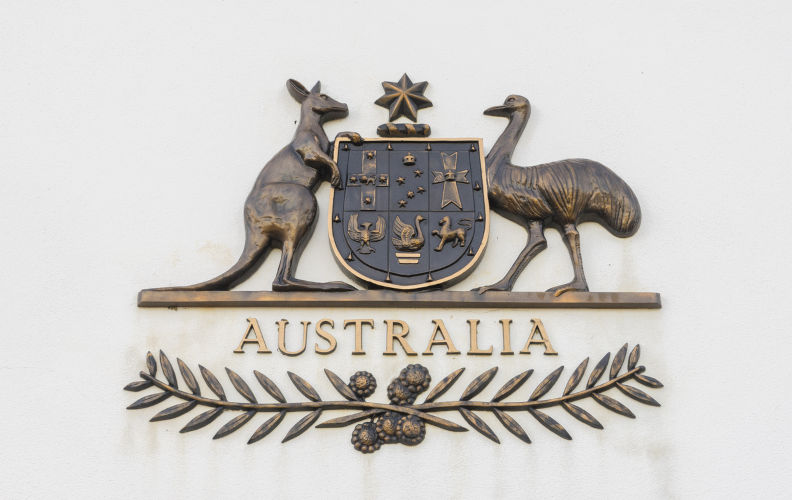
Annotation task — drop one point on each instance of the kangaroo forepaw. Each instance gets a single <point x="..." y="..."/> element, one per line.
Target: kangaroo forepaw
<point x="356" y="138"/>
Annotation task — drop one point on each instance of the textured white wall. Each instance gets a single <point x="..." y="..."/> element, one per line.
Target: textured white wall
<point x="131" y="132"/>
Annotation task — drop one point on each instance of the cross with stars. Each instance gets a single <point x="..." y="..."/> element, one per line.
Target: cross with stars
<point x="449" y="177"/>
<point x="404" y="98"/>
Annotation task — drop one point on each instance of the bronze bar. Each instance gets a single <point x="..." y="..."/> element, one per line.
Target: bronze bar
<point x="390" y="298"/>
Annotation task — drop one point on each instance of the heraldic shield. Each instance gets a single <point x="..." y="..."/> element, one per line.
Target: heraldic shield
<point x="411" y="213"/>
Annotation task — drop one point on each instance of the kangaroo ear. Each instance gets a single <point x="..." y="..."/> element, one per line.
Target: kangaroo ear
<point x="296" y="90"/>
<point x="317" y="87"/>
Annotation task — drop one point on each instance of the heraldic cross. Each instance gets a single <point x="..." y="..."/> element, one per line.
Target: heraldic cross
<point x="449" y="177"/>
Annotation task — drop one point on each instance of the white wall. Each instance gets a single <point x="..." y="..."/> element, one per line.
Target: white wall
<point x="130" y="133"/>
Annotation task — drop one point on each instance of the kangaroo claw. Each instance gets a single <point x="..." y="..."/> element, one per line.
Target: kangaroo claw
<point x="356" y="138"/>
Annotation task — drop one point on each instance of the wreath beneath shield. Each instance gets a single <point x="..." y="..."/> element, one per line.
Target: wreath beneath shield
<point x="401" y="420"/>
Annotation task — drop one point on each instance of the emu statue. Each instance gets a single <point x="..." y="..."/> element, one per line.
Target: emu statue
<point x="561" y="195"/>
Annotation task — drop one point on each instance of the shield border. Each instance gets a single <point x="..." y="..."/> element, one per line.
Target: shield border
<point x="457" y="275"/>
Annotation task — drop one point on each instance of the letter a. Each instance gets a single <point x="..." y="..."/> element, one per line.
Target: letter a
<point x="446" y="340"/>
<point x="543" y="338"/>
<point x="253" y="325"/>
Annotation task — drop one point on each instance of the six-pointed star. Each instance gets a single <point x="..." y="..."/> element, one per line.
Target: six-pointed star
<point x="404" y="98"/>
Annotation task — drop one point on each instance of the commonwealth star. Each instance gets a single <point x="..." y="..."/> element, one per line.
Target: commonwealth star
<point x="404" y="98"/>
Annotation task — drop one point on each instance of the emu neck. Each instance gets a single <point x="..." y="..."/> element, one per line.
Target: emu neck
<point x="501" y="152"/>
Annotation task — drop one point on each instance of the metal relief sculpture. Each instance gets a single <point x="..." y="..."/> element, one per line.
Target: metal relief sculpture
<point x="408" y="212"/>
<point x="433" y="184"/>
<point x="406" y="236"/>
<point x="404" y="98"/>
<point x="400" y="420"/>
<point x="281" y="208"/>
<point x="560" y="194"/>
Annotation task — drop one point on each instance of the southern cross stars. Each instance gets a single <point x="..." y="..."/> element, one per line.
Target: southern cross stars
<point x="404" y="98"/>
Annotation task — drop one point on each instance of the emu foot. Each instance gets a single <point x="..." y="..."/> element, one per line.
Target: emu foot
<point x="573" y="286"/>
<point x="295" y="285"/>
<point x="495" y="287"/>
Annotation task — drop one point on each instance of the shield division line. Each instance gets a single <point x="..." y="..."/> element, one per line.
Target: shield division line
<point x="411" y="213"/>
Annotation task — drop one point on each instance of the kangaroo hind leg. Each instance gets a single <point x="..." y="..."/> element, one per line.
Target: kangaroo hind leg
<point x="286" y="282"/>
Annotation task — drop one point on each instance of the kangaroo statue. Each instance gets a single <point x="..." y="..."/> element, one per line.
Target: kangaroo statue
<point x="281" y="209"/>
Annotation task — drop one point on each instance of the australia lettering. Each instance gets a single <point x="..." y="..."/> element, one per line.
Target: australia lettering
<point x="393" y="336"/>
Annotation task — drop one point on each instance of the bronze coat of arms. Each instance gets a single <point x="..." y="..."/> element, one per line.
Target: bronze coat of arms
<point x="411" y="213"/>
<point x="407" y="212"/>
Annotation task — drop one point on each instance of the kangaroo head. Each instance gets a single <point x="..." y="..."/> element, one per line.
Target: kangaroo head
<point x="444" y="221"/>
<point x="320" y="104"/>
<point x="512" y="104"/>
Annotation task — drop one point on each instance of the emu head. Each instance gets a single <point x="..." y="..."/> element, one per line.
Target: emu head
<point x="323" y="105"/>
<point x="514" y="103"/>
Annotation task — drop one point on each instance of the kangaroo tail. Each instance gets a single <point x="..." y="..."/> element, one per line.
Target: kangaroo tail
<point x="247" y="264"/>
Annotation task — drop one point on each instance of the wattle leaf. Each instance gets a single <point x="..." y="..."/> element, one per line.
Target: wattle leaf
<point x="512" y="385"/>
<point x="304" y="387"/>
<point x="234" y="424"/>
<point x="577" y="375"/>
<point x="478" y="424"/>
<point x="174" y="411"/>
<point x="241" y="386"/>
<point x="267" y="427"/>
<point x="478" y="384"/>
<point x="443" y="385"/>
<point x="546" y="384"/>
<point x="512" y="425"/>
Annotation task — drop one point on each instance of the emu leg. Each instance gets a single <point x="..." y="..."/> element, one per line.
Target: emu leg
<point x="572" y="241"/>
<point x="535" y="244"/>
<point x="286" y="282"/>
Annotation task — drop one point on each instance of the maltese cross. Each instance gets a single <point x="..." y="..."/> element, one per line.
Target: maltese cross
<point x="449" y="177"/>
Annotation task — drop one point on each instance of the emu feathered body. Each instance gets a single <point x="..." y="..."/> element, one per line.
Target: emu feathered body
<point x="566" y="192"/>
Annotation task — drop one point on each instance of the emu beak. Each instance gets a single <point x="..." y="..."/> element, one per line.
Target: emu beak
<point x="498" y="111"/>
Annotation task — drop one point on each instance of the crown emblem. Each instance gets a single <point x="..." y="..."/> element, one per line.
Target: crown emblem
<point x="409" y="160"/>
